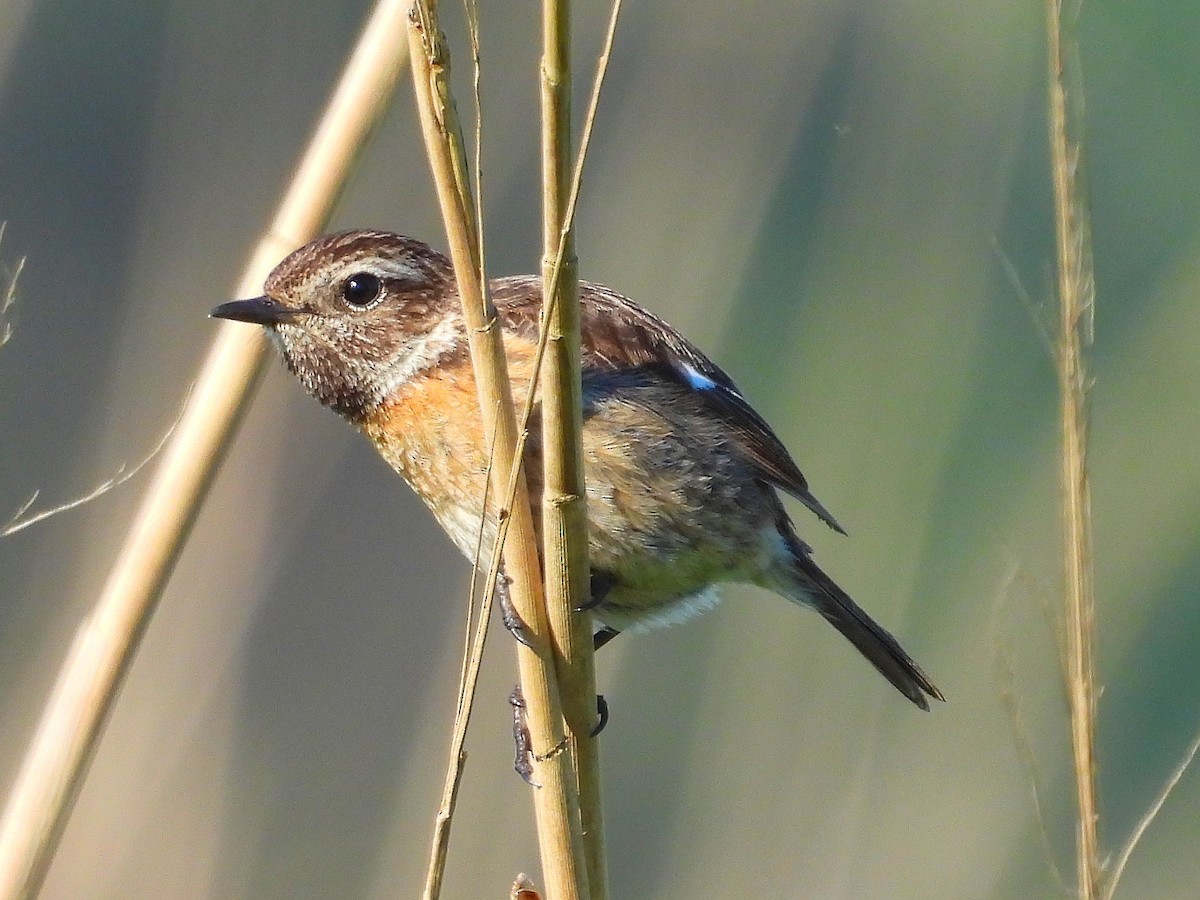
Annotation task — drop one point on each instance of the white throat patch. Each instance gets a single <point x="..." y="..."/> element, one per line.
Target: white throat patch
<point x="417" y="355"/>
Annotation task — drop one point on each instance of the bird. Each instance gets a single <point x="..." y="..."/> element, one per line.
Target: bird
<point x="683" y="476"/>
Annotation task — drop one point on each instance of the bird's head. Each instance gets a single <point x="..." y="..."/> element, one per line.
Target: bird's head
<point x="357" y="314"/>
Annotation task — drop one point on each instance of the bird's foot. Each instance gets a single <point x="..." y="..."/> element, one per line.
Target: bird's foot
<point x="603" y="636"/>
<point x="525" y="757"/>
<point x="599" y="585"/>
<point x="508" y="612"/>
<point x="601" y="716"/>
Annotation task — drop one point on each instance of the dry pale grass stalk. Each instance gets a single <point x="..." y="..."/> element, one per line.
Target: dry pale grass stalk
<point x="476" y="639"/>
<point x="1004" y="665"/>
<point x="71" y="723"/>
<point x="1075" y="296"/>
<point x="23" y="518"/>
<point x="556" y="802"/>
<point x="9" y="294"/>
<point x="589" y="777"/>
<point x="587" y="758"/>
<point x="564" y="498"/>
<point x="472" y="9"/>
<point x="1114" y="875"/>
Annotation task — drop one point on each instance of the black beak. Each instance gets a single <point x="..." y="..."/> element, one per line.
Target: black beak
<point x="259" y="311"/>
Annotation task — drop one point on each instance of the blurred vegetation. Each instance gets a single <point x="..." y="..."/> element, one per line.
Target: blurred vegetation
<point x="823" y="195"/>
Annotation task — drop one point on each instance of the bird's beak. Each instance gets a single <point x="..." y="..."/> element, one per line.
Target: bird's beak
<point x="259" y="311"/>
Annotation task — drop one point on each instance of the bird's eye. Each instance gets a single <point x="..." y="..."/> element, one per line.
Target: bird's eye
<point x="361" y="289"/>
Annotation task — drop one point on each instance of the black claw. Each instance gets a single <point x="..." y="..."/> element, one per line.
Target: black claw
<point x="601" y="583"/>
<point x="603" y="636"/>
<point x="521" y="739"/>
<point x="601" y="715"/>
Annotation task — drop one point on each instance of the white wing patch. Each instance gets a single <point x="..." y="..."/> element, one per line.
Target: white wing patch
<point x="697" y="379"/>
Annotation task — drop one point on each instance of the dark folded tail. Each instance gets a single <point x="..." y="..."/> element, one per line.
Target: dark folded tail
<point x="880" y="648"/>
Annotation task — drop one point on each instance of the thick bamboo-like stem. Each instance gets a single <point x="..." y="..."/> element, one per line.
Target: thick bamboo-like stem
<point x="83" y="695"/>
<point x="556" y="802"/>
<point x="1075" y="297"/>
<point x="564" y="501"/>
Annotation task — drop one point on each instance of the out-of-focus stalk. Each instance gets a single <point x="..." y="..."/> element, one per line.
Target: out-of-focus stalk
<point x="84" y="693"/>
<point x="1075" y="298"/>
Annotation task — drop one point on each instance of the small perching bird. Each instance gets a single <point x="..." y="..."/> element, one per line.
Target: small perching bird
<point x="682" y="474"/>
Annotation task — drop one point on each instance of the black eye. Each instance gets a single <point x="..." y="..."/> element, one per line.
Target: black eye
<point x="361" y="289"/>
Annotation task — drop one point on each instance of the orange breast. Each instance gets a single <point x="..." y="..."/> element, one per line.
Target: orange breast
<point x="430" y="433"/>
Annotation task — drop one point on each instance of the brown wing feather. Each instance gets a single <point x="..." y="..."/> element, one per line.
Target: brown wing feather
<point x="618" y="334"/>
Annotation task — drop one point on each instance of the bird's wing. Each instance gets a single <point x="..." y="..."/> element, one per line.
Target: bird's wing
<point x="619" y="334"/>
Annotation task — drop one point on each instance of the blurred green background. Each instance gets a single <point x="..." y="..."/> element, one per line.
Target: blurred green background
<point x="823" y="195"/>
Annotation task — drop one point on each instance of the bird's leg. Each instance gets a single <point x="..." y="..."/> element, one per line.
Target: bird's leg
<point x="601" y="716"/>
<point x="601" y="584"/>
<point x="521" y="739"/>
<point x="524" y="742"/>
<point x="599" y="639"/>
<point x="508" y="613"/>
<point x="517" y="628"/>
